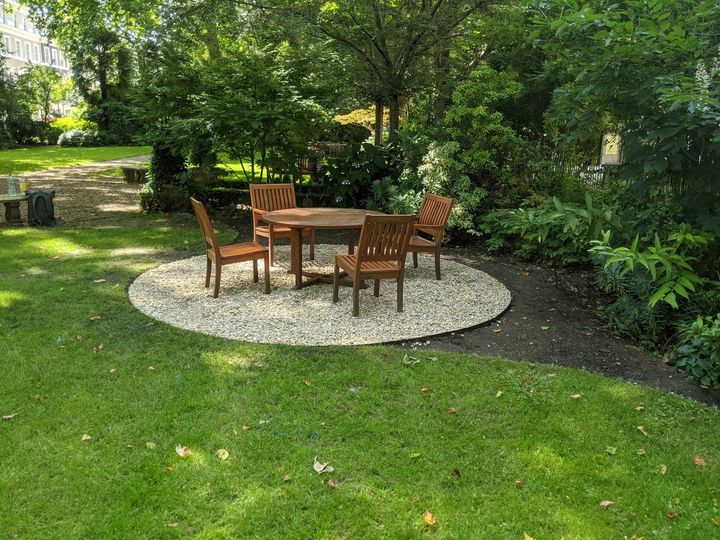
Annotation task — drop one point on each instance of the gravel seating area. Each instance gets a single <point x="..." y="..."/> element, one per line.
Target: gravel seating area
<point x="174" y="293"/>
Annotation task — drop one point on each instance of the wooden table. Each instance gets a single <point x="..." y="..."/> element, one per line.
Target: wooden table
<point x="12" y="208"/>
<point x="297" y="219"/>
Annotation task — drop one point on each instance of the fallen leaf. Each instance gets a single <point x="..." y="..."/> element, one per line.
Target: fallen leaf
<point x="248" y="382"/>
<point x="639" y="408"/>
<point x="321" y="468"/>
<point x="129" y="446"/>
<point x="9" y="416"/>
<point x="172" y="525"/>
<point x="410" y="360"/>
<point x="150" y="324"/>
<point x="497" y="330"/>
<point x="641" y="429"/>
<point x="96" y="318"/>
<point x="331" y="484"/>
<point x="663" y="469"/>
<point x="611" y="450"/>
<point x="151" y="445"/>
<point x="183" y="451"/>
<point x="605" y="504"/>
<point x="526" y="381"/>
<point x="672" y="515"/>
<point x="452" y="410"/>
<point x="424" y="390"/>
<point x="307" y="383"/>
<point x="415" y="500"/>
<point x="575" y="396"/>
<point x="498" y="393"/>
<point x="151" y="368"/>
<point x="168" y="469"/>
<point x="287" y="478"/>
<point x="99" y="280"/>
<point x="39" y="398"/>
<point x="544" y="328"/>
<point x="245" y="427"/>
<point x="715" y="521"/>
<point x="519" y="484"/>
<point x="98" y="348"/>
<point x="415" y="455"/>
<point x="640" y="451"/>
<point x="456" y="472"/>
<point x="85" y="437"/>
<point x="222" y="454"/>
<point x="700" y="462"/>
<point x="113" y="370"/>
<point x="429" y="519"/>
<point x="526" y="536"/>
<point x="526" y="273"/>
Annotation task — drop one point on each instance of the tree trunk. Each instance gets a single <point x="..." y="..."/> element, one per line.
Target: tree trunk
<point x="394" y="117"/>
<point x="379" y="113"/>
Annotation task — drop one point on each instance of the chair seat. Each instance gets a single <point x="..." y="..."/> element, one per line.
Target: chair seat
<point x="264" y="230"/>
<point x="420" y="242"/>
<point x="241" y="250"/>
<point x="348" y="262"/>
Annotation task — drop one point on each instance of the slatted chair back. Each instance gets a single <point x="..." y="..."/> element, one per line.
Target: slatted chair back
<point x="435" y="210"/>
<point x="384" y="238"/>
<point x="206" y="227"/>
<point x="271" y="197"/>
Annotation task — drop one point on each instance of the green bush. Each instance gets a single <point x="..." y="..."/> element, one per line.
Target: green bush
<point x="79" y="137"/>
<point x="699" y="353"/>
<point x="70" y="123"/>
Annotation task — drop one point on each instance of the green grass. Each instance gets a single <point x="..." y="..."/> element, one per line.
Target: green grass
<point x="39" y="158"/>
<point x="394" y="448"/>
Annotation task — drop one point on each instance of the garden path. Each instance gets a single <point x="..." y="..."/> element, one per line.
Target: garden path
<point x="87" y="195"/>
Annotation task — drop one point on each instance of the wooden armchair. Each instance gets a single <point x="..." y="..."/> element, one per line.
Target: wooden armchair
<point x="266" y="198"/>
<point x="434" y="214"/>
<point x="233" y="253"/>
<point x="380" y="255"/>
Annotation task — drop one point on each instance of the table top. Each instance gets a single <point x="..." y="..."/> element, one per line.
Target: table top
<point x="320" y="218"/>
<point x="4" y="197"/>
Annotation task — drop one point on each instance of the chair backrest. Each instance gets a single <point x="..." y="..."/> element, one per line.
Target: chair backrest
<point x="435" y="210"/>
<point x="270" y="197"/>
<point x="205" y="225"/>
<point x="385" y="238"/>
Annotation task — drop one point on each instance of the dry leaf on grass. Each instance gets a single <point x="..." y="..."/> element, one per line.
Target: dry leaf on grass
<point x="39" y="398"/>
<point x="113" y="370"/>
<point x="222" y="454"/>
<point x="663" y="469"/>
<point x="519" y="484"/>
<point x="287" y="478"/>
<point x="498" y="393"/>
<point x="321" y="468"/>
<point x="331" y="484"/>
<point x="245" y="427"/>
<point x="456" y="472"/>
<point x="642" y="430"/>
<point x="611" y="450"/>
<point x="672" y="515"/>
<point x="715" y="521"/>
<point x="151" y="445"/>
<point x="168" y="469"/>
<point x="699" y="461"/>
<point x="429" y="519"/>
<point x="172" y="525"/>
<point x="9" y="416"/>
<point x="96" y="318"/>
<point x="452" y="410"/>
<point x="640" y="451"/>
<point x="605" y="504"/>
<point x="183" y="451"/>
<point x="307" y="383"/>
<point x="424" y="390"/>
<point x="85" y="437"/>
<point x="526" y="536"/>
<point x="410" y="361"/>
<point x="575" y="396"/>
<point x="98" y="348"/>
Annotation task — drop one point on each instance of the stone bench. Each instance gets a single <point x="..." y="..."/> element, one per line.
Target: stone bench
<point x="12" y="208"/>
<point x="135" y="175"/>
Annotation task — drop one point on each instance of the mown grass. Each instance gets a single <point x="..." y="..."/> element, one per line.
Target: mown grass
<point x="39" y="158"/>
<point x="397" y="451"/>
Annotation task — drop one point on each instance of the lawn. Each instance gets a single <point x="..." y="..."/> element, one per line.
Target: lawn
<point x="39" y="158"/>
<point x="493" y="449"/>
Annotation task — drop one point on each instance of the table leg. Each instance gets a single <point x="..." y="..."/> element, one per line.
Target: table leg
<point x="352" y="239"/>
<point x="296" y="256"/>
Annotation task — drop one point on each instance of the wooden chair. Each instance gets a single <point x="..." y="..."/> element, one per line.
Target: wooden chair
<point x="434" y="214"/>
<point x="380" y="255"/>
<point x="267" y="198"/>
<point x="233" y="253"/>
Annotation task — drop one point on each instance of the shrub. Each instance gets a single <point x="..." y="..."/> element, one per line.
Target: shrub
<point x="167" y="189"/>
<point x="79" y="137"/>
<point x="699" y="353"/>
<point x="70" y="123"/>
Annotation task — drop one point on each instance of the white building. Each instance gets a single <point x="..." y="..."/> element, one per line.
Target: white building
<point x="23" y="45"/>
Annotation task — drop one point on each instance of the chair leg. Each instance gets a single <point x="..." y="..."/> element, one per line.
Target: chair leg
<point x="218" y="272"/>
<point x="336" y="283"/>
<point x="266" y="264"/>
<point x="312" y="244"/>
<point x="437" y="265"/>
<point x="207" y="273"/>
<point x="376" y="291"/>
<point x="255" y="271"/>
<point x="400" y="283"/>
<point x="271" y="249"/>
<point x="356" y="297"/>
<point x="415" y="264"/>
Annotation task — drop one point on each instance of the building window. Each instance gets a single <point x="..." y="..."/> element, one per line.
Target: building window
<point x="28" y="54"/>
<point x="18" y="49"/>
<point x="8" y="46"/>
<point x="46" y="55"/>
<point x="37" y="54"/>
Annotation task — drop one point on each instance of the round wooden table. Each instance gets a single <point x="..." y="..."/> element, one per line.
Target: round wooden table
<point x="298" y="219"/>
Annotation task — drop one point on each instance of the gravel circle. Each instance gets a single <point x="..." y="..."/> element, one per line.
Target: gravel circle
<point x="174" y="293"/>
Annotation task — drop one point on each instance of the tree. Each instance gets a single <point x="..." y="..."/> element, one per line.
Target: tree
<point x="41" y="87"/>
<point x="386" y="39"/>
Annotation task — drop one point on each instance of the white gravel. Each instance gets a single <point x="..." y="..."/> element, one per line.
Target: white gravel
<point x="174" y="293"/>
